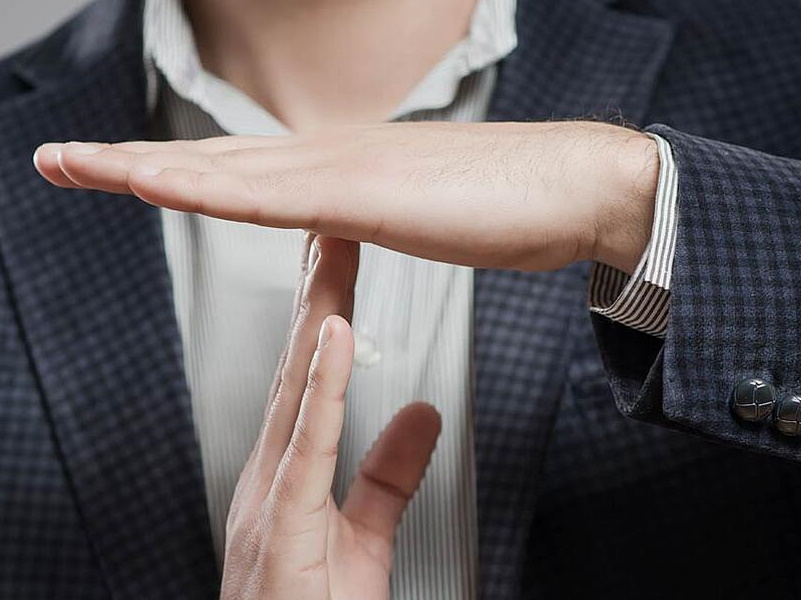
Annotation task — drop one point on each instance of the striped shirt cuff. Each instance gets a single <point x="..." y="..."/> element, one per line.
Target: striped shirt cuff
<point x="642" y="301"/>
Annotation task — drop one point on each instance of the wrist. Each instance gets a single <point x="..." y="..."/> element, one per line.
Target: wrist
<point x="625" y="220"/>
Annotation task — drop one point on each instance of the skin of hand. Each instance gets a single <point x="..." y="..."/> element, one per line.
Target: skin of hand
<point x="286" y="538"/>
<point x="531" y="196"/>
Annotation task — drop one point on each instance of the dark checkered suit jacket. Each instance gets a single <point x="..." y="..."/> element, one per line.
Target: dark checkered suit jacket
<point x="100" y="482"/>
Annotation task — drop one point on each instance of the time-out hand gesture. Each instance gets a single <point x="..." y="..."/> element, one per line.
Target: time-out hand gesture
<point x="507" y="195"/>
<point x="286" y="538"/>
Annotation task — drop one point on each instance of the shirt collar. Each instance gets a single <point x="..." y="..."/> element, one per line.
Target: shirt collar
<point x="170" y="50"/>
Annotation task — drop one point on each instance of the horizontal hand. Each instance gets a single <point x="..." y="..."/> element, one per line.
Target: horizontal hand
<point x="531" y="196"/>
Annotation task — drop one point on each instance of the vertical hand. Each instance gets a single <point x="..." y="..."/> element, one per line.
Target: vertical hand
<point x="286" y="538"/>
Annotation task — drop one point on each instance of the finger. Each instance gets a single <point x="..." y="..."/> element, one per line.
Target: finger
<point x="322" y="198"/>
<point x="111" y="168"/>
<point x="250" y="480"/>
<point x="298" y="506"/>
<point x="45" y="159"/>
<point x="301" y="188"/>
<point x="306" y="472"/>
<point x="214" y="145"/>
<point x="392" y="471"/>
<point x="224" y="195"/>
<point x="328" y="291"/>
<point x="106" y="166"/>
<point x="291" y="540"/>
<point x="309" y="258"/>
<point x="294" y="199"/>
<point x="87" y="160"/>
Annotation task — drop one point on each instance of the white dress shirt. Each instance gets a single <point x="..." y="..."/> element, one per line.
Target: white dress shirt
<point x="234" y="285"/>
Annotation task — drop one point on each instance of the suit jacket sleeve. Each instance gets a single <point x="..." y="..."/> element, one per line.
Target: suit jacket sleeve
<point x="735" y="299"/>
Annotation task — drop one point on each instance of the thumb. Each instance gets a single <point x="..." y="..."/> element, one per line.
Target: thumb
<point x="392" y="471"/>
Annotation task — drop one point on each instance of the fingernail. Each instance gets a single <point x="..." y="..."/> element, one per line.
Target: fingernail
<point x="325" y="335"/>
<point x="84" y="148"/>
<point x="49" y="150"/>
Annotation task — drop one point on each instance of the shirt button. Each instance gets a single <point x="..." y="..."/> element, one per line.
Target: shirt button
<point x="365" y="353"/>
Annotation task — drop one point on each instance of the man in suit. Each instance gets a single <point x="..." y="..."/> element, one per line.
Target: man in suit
<point x="648" y="449"/>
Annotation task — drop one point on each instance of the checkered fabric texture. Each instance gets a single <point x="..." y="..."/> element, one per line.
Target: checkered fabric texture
<point x="101" y="492"/>
<point x="100" y="475"/>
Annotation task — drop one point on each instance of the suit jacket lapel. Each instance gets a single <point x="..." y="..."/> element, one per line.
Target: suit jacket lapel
<point x="575" y="58"/>
<point x="91" y="287"/>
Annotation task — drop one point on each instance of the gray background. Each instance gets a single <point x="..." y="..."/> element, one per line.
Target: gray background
<point x="22" y="21"/>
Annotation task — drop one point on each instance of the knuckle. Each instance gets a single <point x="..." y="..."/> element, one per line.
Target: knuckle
<point x="304" y="447"/>
<point x="213" y="162"/>
<point x="316" y="380"/>
<point x="300" y="448"/>
<point x="329" y="452"/>
<point x="195" y="183"/>
<point x="140" y="161"/>
<point x="305" y="305"/>
<point x="255" y="187"/>
<point x="316" y="566"/>
<point x="254" y="192"/>
<point x="288" y="523"/>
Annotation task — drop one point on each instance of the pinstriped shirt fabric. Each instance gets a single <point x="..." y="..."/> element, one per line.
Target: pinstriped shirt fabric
<point x="234" y="283"/>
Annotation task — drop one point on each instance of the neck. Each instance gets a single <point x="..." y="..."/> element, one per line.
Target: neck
<point x="317" y="63"/>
